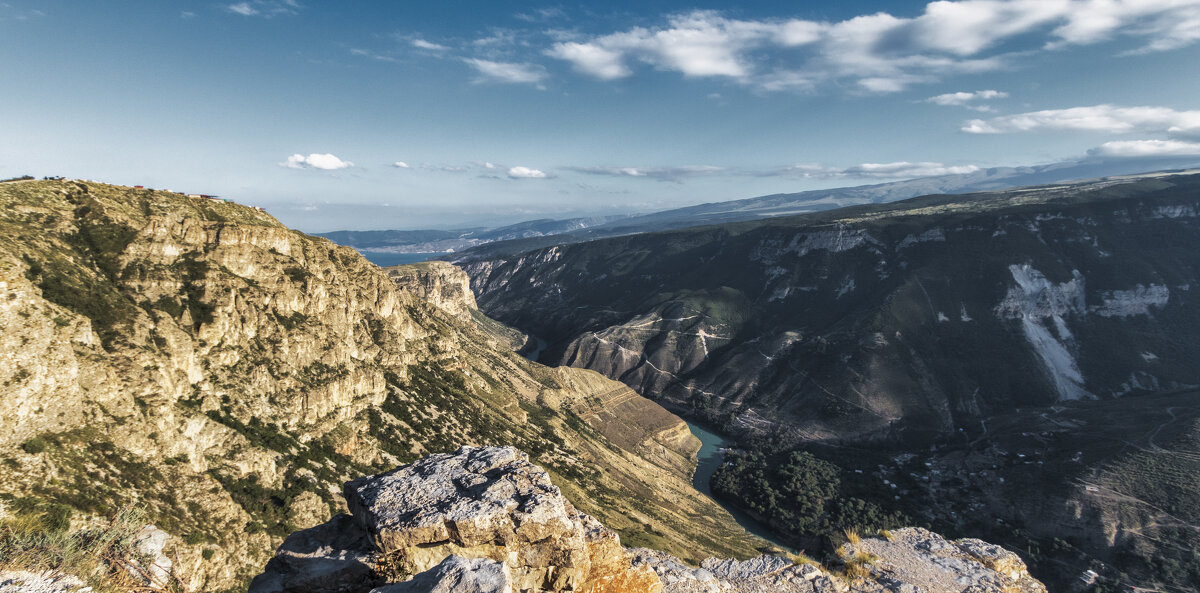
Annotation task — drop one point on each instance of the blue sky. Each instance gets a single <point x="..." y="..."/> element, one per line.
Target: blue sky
<point x="361" y="114"/>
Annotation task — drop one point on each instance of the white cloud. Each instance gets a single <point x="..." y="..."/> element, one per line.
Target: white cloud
<point x="429" y="45"/>
<point x="878" y="52"/>
<point x="366" y="53"/>
<point x="591" y="59"/>
<point x="242" y="8"/>
<point x="17" y="13"/>
<point x="697" y="44"/>
<point x="401" y="165"/>
<point x="265" y="8"/>
<point x="1095" y="118"/>
<point x="327" y="162"/>
<point x="498" y="38"/>
<point x="525" y="173"/>
<point x="896" y="170"/>
<point x="508" y="71"/>
<point x="658" y="173"/>
<point x="906" y="169"/>
<point x="1146" y="148"/>
<point x="542" y="14"/>
<point x="970" y="100"/>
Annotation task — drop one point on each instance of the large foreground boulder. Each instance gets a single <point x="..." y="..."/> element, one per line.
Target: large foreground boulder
<point x="441" y="518"/>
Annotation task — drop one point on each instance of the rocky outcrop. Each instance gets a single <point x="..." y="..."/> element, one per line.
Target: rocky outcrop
<point x="486" y="520"/>
<point x="440" y="283"/>
<point x="487" y="502"/>
<point x="478" y="503"/>
<point x="916" y="559"/>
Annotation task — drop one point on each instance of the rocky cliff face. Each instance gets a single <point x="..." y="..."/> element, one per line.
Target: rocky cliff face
<point x="227" y="374"/>
<point x="439" y="283"/>
<point x="888" y="322"/>
<point x="488" y="521"/>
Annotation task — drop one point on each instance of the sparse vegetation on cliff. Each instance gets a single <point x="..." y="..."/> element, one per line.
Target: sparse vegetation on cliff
<point x="105" y="556"/>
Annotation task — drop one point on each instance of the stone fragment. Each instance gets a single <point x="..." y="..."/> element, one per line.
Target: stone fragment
<point x="150" y="542"/>
<point x="21" y="581"/>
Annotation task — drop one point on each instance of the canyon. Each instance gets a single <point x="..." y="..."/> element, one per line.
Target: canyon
<point x="991" y="362"/>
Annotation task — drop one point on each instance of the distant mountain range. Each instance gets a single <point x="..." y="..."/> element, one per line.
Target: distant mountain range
<point x="449" y="241"/>
<point x="544" y="232"/>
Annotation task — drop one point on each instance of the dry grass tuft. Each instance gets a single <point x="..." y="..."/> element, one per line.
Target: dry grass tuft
<point x="858" y="566"/>
<point x="105" y="557"/>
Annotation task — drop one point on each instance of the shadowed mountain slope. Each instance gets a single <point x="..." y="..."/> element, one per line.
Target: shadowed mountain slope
<point x="877" y="321"/>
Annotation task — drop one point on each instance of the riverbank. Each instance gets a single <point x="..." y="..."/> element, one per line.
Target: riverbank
<point x="712" y="452"/>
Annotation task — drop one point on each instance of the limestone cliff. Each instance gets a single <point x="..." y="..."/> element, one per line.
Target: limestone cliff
<point x="439" y="283"/>
<point x="200" y="360"/>
<point x="485" y="520"/>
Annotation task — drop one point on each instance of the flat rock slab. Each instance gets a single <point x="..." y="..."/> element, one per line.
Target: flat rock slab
<point x="457" y="575"/>
<point x="773" y="574"/>
<point x="22" y="581"/>
<point x="916" y="559"/>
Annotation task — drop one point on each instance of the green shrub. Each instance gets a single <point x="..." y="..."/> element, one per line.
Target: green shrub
<point x="34" y="445"/>
<point x="798" y="494"/>
<point x="296" y="274"/>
